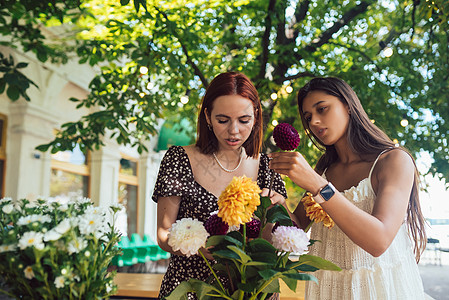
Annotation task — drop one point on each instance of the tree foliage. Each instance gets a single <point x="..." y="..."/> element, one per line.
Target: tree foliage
<point x="277" y="43"/>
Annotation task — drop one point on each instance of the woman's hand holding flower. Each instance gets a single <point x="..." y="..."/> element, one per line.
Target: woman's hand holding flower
<point x="295" y="166"/>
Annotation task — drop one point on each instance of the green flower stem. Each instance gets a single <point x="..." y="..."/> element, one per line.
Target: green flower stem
<point x="212" y="270"/>
<point x="266" y="283"/>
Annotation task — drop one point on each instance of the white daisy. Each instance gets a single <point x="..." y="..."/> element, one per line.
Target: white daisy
<point x="8" y="208"/>
<point x="28" y="271"/>
<point x="31" y="239"/>
<point x="59" y="282"/>
<point x="76" y="245"/>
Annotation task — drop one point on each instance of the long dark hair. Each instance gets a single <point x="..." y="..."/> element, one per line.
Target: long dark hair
<point x="230" y="83"/>
<point x="364" y="138"/>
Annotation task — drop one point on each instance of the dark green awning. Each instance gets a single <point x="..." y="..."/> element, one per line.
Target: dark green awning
<point x="174" y="134"/>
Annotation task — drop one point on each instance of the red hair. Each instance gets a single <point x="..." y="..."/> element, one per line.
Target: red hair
<point x="230" y="83"/>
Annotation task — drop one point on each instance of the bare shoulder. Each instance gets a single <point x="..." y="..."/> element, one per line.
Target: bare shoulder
<point x="394" y="163"/>
<point x="191" y="150"/>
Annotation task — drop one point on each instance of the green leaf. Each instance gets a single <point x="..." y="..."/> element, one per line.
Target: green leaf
<point x="13" y="92"/>
<point x="226" y="254"/>
<point x="267" y="274"/>
<point x="302" y="276"/>
<point x="21" y="65"/>
<point x="233" y="240"/>
<point x="2" y="85"/>
<point x="290" y="282"/>
<point x="204" y="289"/>
<point x="261" y="245"/>
<point x="273" y="287"/>
<point x="278" y="213"/>
<point x="124" y="2"/>
<point x="180" y="291"/>
<point x="244" y="258"/>
<point x="265" y="202"/>
<point x="317" y="262"/>
<point x="214" y="240"/>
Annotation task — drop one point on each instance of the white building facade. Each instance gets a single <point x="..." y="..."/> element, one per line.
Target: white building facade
<point x="110" y="175"/>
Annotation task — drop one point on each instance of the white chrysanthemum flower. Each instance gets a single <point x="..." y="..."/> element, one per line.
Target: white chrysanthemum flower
<point x="108" y="288"/>
<point x="90" y="223"/>
<point x="96" y="210"/>
<point x="6" y="248"/>
<point x="26" y="220"/>
<point x="63" y="226"/>
<point x="28" y="271"/>
<point x="52" y="235"/>
<point x="290" y="239"/>
<point x="5" y="200"/>
<point x="8" y="208"/>
<point x="64" y="207"/>
<point x="83" y="200"/>
<point x="59" y="282"/>
<point x="188" y="236"/>
<point x="76" y="245"/>
<point x="31" y="239"/>
<point x="31" y="204"/>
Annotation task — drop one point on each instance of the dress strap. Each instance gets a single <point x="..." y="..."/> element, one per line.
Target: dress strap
<point x="374" y="164"/>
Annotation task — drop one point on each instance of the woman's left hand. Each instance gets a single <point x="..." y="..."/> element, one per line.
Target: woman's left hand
<point x="275" y="197"/>
<point x="295" y="166"/>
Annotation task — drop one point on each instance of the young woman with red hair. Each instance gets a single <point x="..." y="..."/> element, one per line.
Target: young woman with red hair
<point x="190" y="179"/>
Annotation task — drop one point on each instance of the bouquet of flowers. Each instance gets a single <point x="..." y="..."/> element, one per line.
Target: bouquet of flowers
<point x="51" y="250"/>
<point x="246" y="265"/>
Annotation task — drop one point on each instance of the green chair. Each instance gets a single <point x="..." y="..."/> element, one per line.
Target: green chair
<point x="124" y="242"/>
<point x="147" y="240"/>
<point x="162" y="254"/>
<point x="128" y="258"/>
<point x="136" y="240"/>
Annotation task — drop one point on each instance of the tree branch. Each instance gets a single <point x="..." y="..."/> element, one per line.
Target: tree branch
<point x="266" y="40"/>
<point x="196" y="70"/>
<point x="347" y="17"/>
<point x="300" y="14"/>
<point x="299" y="75"/>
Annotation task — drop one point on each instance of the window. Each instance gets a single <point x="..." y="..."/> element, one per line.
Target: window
<point x="128" y="193"/>
<point x="2" y="153"/>
<point x="69" y="175"/>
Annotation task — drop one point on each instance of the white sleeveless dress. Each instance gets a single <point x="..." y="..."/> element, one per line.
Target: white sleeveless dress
<point x="393" y="275"/>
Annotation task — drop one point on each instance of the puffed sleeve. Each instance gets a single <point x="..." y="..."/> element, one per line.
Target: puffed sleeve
<point x="175" y="174"/>
<point x="265" y="174"/>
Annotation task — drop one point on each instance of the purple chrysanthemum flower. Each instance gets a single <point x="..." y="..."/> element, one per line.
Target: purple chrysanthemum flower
<point x="215" y="225"/>
<point x="252" y="228"/>
<point x="276" y="225"/>
<point x="286" y="137"/>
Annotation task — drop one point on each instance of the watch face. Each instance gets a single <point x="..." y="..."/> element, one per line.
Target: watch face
<point x="327" y="192"/>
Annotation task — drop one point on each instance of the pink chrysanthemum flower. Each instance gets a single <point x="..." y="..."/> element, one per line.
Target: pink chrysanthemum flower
<point x="215" y="225"/>
<point x="286" y="137"/>
<point x="290" y="239"/>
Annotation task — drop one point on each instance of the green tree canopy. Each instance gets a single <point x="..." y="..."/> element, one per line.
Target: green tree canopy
<point x="152" y="53"/>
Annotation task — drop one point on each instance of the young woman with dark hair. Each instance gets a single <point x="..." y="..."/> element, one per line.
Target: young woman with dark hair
<point x="369" y="187"/>
<point x="191" y="178"/>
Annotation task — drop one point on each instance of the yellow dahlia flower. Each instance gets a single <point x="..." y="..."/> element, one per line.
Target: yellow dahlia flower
<point x="315" y="212"/>
<point x="238" y="201"/>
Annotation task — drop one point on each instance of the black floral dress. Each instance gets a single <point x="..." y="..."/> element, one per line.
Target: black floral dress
<point x="175" y="178"/>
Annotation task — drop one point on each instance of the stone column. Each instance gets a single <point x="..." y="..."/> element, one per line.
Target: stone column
<point x="28" y="170"/>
